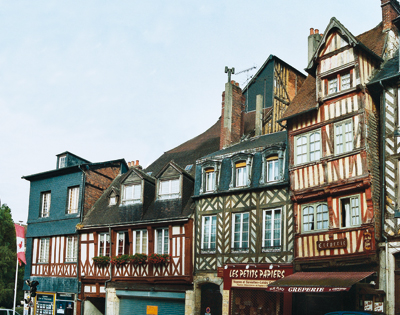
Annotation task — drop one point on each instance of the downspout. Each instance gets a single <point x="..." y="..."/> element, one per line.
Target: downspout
<point x="383" y="194"/>
<point x="78" y="238"/>
<point x="109" y="280"/>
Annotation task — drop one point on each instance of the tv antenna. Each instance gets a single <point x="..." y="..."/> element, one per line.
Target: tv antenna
<point x="247" y="73"/>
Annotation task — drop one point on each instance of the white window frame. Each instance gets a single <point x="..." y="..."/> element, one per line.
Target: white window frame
<point x="310" y="154"/>
<point x="72" y="249"/>
<point x="274" y="161"/>
<point x="62" y="161"/>
<point x="276" y="215"/>
<point x="121" y="235"/>
<point x="136" y="194"/>
<point x="45" y="204"/>
<point x="352" y="218"/>
<point x="210" y="179"/>
<point x="164" y="247"/>
<point x="316" y="219"/>
<point x="241" y="175"/>
<point x="345" y="137"/>
<point x="44" y="250"/>
<point x="337" y="81"/>
<point x="143" y="239"/>
<point x="105" y="238"/>
<point x="240" y="233"/>
<point x="209" y="233"/>
<point x="73" y="200"/>
<point x="169" y="193"/>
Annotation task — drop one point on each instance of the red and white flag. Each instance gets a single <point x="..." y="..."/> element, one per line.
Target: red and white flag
<point x="20" y="232"/>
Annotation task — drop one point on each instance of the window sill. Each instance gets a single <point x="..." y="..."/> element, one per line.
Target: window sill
<point x="337" y="94"/>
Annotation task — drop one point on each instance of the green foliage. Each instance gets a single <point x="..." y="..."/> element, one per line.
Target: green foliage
<point x="158" y="259"/>
<point x="120" y="260"/>
<point x="101" y="261"/>
<point x="8" y="260"/>
<point x="138" y="259"/>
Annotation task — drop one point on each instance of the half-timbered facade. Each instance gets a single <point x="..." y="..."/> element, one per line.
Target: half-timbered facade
<point x="333" y="126"/>
<point x="58" y="199"/>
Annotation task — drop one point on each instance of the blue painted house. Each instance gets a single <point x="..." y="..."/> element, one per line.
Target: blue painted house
<point x="58" y="200"/>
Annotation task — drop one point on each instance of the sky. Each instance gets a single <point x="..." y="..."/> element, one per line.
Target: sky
<point x="107" y="80"/>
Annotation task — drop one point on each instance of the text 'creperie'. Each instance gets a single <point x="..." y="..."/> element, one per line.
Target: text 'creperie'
<point x="257" y="274"/>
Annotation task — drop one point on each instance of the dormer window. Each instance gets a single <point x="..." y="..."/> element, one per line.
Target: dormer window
<point x="210" y="179"/>
<point x="210" y="176"/>
<point x="272" y="169"/>
<point x="131" y="193"/>
<point x="241" y="173"/>
<point x="169" y="189"/>
<point x="113" y="198"/>
<point x="62" y="161"/>
<point x="273" y="164"/>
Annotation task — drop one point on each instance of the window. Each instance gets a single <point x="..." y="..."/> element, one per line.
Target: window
<point x="241" y="174"/>
<point x="162" y="241"/>
<point x="210" y="179"/>
<point x="343" y="137"/>
<point x="73" y="199"/>
<point x="72" y="249"/>
<point x="350" y="211"/>
<point x="104" y="244"/>
<point x="46" y="200"/>
<point x="131" y="194"/>
<point x="272" y="229"/>
<point x="140" y="242"/>
<point x="272" y="169"/>
<point x="339" y="82"/>
<point x="209" y="232"/>
<point x="315" y="217"/>
<point x="113" y="200"/>
<point x="169" y="189"/>
<point x="122" y="243"/>
<point x="44" y="250"/>
<point x="240" y="231"/>
<point x="308" y="147"/>
<point x="62" y="161"/>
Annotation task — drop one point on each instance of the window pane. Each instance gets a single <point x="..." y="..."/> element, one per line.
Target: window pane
<point x="241" y="174"/>
<point x="315" y="146"/>
<point x="301" y="149"/>
<point x="73" y="195"/>
<point x="339" y="139"/>
<point x="210" y="181"/>
<point x="345" y="81"/>
<point x="322" y="217"/>
<point x="349" y="135"/>
<point x="333" y="86"/>
<point x="355" y="211"/>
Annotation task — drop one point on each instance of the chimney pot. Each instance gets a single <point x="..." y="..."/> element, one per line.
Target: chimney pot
<point x="311" y="31"/>
<point x="137" y="162"/>
<point x="316" y="31"/>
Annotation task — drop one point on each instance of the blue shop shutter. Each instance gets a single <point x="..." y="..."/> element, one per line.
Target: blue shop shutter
<point x="139" y="306"/>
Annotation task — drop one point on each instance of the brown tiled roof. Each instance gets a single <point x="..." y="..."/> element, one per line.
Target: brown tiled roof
<point x="374" y="39"/>
<point x="304" y="101"/>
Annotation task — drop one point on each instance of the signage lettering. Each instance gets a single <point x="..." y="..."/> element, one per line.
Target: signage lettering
<point x="332" y="244"/>
<point x="256" y="274"/>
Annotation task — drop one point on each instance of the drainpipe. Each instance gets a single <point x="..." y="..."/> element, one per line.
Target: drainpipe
<point x="109" y="280"/>
<point x="383" y="194"/>
<point x="78" y="235"/>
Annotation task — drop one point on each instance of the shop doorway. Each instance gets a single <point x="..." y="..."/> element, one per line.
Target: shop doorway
<point x="211" y="299"/>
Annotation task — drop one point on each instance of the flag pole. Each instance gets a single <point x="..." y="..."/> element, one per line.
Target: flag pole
<point x="15" y="287"/>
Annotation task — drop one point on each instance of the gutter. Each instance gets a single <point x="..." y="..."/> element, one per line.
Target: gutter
<point x="109" y="268"/>
<point x="87" y="227"/>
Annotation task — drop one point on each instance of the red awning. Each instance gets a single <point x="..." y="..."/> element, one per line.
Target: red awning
<point x="315" y="282"/>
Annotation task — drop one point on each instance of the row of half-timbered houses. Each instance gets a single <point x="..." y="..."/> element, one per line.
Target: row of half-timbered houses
<point x="287" y="205"/>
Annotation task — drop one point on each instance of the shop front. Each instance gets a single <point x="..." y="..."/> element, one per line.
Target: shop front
<point x="245" y="289"/>
<point x="47" y="303"/>
<point x="321" y="292"/>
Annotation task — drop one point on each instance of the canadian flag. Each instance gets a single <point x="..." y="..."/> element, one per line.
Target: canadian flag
<point x="20" y="232"/>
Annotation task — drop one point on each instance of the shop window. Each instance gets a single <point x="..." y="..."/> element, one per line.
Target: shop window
<point x="343" y="136"/>
<point x="72" y="249"/>
<point x="315" y="217"/>
<point x="104" y="244"/>
<point x="140" y="242"/>
<point x="44" y="245"/>
<point x="169" y="189"/>
<point x="272" y="229"/>
<point x="308" y="147"/>
<point x="350" y="211"/>
<point x="131" y="194"/>
<point x="73" y="200"/>
<point x="45" y="204"/>
<point x="240" y="231"/>
<point x="209" y="232"/>
<point x="122" y="243"/>
<point x="162" y="241"/>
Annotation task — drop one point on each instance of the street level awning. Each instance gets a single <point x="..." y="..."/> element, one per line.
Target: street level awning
<point x="316" y="282"/>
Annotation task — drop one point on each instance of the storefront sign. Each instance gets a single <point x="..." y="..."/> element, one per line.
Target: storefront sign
<point x="220" y="272"/>
<point x="368" y="305"/>
<point x="254" y="275"/>
<point x="332" y="244"/>
<point x="367" y="240"/>
<point x="378" y="307"/>
<point x="293" y="289"/>
<point x="152" y="310"/>
<point x="44" y="304"/>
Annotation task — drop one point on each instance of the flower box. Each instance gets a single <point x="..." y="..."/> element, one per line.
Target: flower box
<point x="120" y="260"/>
<point x="101" y="261"/>
<point x="158" y="259"/>
<point x="138" y="259"/>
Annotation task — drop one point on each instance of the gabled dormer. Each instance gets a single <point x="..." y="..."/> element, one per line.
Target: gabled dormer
<point x="67" y="159"/>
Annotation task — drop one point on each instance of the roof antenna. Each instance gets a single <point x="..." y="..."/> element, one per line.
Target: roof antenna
<point x="229" y="72"/>
<point x="249" y="77"/>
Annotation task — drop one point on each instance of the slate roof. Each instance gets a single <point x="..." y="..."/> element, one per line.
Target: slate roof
<point x="390" y="70"/>
<point x="304" y="101"/>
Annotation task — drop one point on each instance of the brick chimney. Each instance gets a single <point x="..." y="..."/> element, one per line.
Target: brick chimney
<point x="390" y="11"/>
<point x="313" y="41"/>
<point x="232" y="122"/>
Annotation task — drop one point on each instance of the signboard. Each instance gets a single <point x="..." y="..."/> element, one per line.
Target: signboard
<point x="368" y="305"/>
<point x="332" y="244"/>
<point x="152" y="310"/>
<point x="44" y="304"/>
<point x="255" y="276"/>
<point x="367" y="240"/>
<point x="378" y="307"/>
<point x="293" y="289"/>
<point x="220" y="272"/>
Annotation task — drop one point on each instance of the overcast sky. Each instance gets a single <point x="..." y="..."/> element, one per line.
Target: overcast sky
<point x="132" y="79"/>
